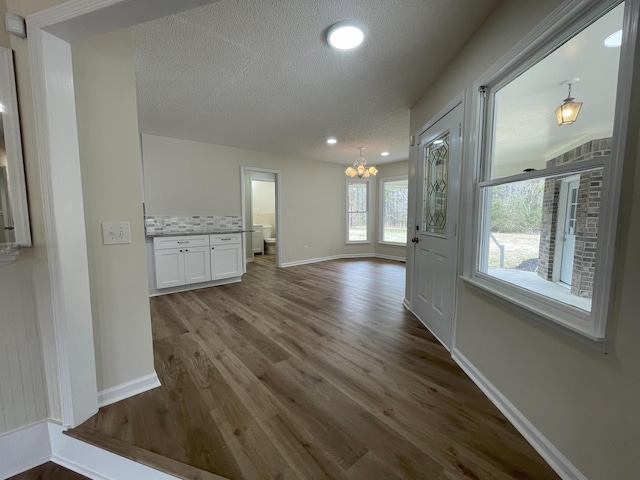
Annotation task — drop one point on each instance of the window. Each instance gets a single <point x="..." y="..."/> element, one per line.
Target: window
<point x="357" y="211"/>
<point x="545" y="195"/>
<point x="394" y="198"/>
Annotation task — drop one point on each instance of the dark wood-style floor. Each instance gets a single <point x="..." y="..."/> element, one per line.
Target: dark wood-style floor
<point x="49" y="471"/>
<point x="309" y="372"/>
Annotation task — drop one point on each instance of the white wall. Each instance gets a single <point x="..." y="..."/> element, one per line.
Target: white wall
<point x="190" y="178"/>
<point x="29" y="388"/>
<point x="110" y="163"/>
<point x="584" y="402"/>
<point x="264" y="204"/>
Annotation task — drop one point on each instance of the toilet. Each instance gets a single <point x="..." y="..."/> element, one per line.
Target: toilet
<point x="269" y="241"/>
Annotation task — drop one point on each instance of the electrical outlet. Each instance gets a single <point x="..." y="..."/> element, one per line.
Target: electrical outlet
<point x="116" y="232"/>
<point x="305" y="248"/>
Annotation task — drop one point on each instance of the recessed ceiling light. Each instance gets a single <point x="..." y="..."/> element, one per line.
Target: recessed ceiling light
<point x="613" y="40"/>
<point x="345" y="35"/>
<point x="384" y="154"/>
<point x="332" y="141"/>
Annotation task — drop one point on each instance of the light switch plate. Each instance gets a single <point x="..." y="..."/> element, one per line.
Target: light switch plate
<point x="116" y="232"/>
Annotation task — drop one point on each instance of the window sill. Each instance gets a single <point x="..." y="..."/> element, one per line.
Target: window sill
<point x="359" y="242"/>
<point x="563" y="318"/>
<point x="393" y="244"/>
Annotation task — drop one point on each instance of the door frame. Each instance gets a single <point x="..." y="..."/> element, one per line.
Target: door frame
<point x="69" y="359"/>
<point x="414" y="158"/>
<point x="244" y="172"/>
<point x="558" y="253"/>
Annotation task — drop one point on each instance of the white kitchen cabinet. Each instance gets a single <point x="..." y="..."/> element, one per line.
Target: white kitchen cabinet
<point x="197" y="265"/>
<point x="181" y="260"/>
<point x="226" y="256"/>
<point x="169" y="267"/>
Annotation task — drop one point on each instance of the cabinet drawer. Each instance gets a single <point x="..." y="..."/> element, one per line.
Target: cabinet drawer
<point x="160" y="243"/>
<point x="227" y="239"/>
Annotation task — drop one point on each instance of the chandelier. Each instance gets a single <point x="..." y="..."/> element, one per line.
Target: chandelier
<point x="360" y="168"/>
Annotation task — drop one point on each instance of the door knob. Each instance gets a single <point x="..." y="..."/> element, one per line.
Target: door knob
<point x="415" y="240"/>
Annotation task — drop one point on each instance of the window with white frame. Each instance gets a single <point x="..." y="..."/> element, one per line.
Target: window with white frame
<point x="394" y="200"/>
<point x="545" y="191"/>
<point x="357" y="211"/>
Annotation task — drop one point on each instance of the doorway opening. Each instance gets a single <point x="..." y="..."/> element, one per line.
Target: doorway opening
<point x="261" y="213"/>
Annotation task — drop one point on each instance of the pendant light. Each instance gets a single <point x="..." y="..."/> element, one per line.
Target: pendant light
<point x="567" y="113"/>
<point x="360" y="168"/>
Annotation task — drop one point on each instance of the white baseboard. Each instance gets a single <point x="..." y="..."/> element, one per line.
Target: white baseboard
<point x="340" y="257"/>
<point x="154" y="292"/>
<point x="128" y="389"/>
<point x="562" y="466"/>
<point x="95" y="463"/>
<point x="23" y="449"/>
<point x="407" y="304"/>
<point x="391" y="257"/>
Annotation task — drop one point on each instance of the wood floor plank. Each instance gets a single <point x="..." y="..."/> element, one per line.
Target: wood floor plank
<point x="48" y="471"/>
<point x="309" y="372"/>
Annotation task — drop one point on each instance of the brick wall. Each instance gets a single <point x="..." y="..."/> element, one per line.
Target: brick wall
<point x="589" y="195"/>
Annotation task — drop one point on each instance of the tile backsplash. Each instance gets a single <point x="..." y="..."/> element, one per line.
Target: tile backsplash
<point x="190" y="223"/>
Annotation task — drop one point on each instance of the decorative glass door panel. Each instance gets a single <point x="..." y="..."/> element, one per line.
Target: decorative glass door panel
<point x="434" y="193"/>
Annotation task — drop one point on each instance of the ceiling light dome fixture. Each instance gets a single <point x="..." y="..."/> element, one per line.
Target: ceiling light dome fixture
<point x="567" y="113"/>
<point x="345" y="35"/>
<point x="614" y="40"/>
<point x="360" y="168"/>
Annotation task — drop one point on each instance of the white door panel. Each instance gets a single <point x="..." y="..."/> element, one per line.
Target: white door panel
<point x="435" y="241"/>
<point x="570" y="221"/>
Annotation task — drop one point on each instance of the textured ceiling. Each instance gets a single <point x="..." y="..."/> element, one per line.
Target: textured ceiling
<point x="259" y="74"/>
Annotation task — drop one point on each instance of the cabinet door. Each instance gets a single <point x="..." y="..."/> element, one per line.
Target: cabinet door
<point x="226" y="261"/>
<point x="169" y="267"/>
<point x="257" y="242"/>
<point x="197" y="265"/>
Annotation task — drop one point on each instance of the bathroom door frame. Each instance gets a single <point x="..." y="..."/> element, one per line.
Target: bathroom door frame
<point x="244" y="171"/>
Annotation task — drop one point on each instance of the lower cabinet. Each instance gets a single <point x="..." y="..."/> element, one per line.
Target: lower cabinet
<point x="182" y="266"/>
<point x="197" y="265"/>
<point x="225" y="261"/>
<point x="188" y="260"/>
<point x="169" y="267"/>
<point x="226" y="256"/>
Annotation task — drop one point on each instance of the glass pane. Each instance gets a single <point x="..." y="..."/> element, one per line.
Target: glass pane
<point x="434" y="194"/>
<point x="394" y="211"/>
<point x="357" y="211"/>
<point x="526" y="131"/>
<point x="525" y="241"/>
<point x="357" y="227"/>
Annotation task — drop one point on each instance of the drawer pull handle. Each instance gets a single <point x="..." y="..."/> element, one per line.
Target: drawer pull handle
<point x="184" y="241"/>
<point x="223" y="239"/>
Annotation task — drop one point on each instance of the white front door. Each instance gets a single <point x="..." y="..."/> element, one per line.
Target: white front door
<point x="569" y="232"/>
<point x="436" y="226"/>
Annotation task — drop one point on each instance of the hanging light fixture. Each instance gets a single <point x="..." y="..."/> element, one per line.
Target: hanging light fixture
<point x="360" y="168"/>
<point x="567" y="113"/>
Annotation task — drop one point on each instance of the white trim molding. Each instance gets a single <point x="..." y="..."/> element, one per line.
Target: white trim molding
<point x="564" y="23"/>
<point x="24" y="449"/>
<point x="96" y="463"/>
<point x="560" y="464"/>
<point x="341" y="257"/>
<point x="128" y="389"/>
